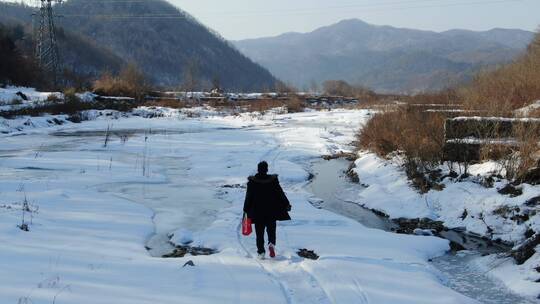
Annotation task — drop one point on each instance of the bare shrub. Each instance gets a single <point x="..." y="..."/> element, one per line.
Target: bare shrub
<point x="284" y="88"/>
<point x="130" y="83"/>
<point x="516" y="154"/>
<point x="499" y="92"/>
<point x="527" y="150"/>
<point x="167" y="103"/>
<point x="16" y="68"/>
<point x="72" y="103"/>
<point x="381" y="134"/>
<point x="295" y="104"/>
<point x="343" y="88"/>
<point x="15" y="102"/>
<point x="495" y="152"/>
<point x="53" y="98"/>
<point x="191" y="77"/>
<point x="264" y="105"/>
<point x="444" y="97"/>
<point x="419" y="135"/>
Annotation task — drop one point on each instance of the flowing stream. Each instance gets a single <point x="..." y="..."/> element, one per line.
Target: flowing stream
<point x="331" y="185"/>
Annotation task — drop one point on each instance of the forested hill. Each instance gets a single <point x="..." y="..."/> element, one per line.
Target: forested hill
<point x="82" y="58"/>
<point x="160" y="38"/>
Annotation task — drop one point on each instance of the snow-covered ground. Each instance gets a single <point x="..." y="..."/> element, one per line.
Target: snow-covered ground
<point x="12" y="98"/>
<point x="95" y="207"/>
<point x="467" y="204"/>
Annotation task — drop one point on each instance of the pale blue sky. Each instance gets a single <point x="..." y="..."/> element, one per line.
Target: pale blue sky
<point x="240" y="19"/>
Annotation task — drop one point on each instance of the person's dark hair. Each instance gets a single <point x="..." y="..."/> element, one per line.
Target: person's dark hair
<point x="262" y="167"/>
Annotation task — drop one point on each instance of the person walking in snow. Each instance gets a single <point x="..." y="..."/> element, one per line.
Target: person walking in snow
<point x="265" y="204"/>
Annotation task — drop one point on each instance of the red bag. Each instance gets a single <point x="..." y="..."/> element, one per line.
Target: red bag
<point x="246" y="225"/>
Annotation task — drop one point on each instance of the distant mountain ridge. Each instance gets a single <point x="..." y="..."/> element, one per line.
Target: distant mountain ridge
<point x="162" y="48"/>
<point x="385" y="58"/>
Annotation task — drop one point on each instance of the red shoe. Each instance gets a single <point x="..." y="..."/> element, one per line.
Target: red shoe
<point x="272" y="250"/>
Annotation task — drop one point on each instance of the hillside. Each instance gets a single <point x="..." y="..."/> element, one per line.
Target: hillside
<point x="508" y="88"/>
<point x="161" y="47"/>
<point x="82" y="59"/>
<point x="385" y="58"/>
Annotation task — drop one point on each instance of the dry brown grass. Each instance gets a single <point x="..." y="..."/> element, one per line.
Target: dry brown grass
<point x="167" y="103"/>
<point x="507" y="88"/>
<point x="130" y="82"/>
<point x="262" y="105"/>
<point x="516" y="159"/>
<point x="292" y="104"/>
<point x="343" y="88"/>
<point x="295" y="104"/>
<point x="419" y="135"/>
<point x="499" y="93"/>
<point x="445" y="97"/>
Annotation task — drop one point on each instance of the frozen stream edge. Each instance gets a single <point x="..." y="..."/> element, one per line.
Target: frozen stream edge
<point x="458" y="270"/>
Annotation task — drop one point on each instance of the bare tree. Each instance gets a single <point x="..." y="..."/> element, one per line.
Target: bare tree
<point x="190" y="77"/>
<point x="314" y="87"/>
<point x="216" y="84"/>
<point x="285" y="88"/>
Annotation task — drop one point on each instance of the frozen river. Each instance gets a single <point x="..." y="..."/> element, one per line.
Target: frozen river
<point x="99" y="204"/>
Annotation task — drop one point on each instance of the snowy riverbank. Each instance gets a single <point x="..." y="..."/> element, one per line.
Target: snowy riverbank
<point x="465" y="204"/>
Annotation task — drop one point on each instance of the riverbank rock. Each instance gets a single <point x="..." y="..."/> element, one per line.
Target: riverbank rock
<point x="513" y="213"/>
<point x="526" y="250"/>
<point x="533" y="202"/>
<point x="189" y="263"/>
<point x="181" y="251"/>
<point x="234" y="186"/>
<point x="350" y="156"/>
<point x="178" y="252"/>
<point x="317" y="203"/>
<point x="351" y="173"/>
<point x="408" y="226"/>
<point x="531" y="177"/>
<point x="307" y="254"/>
<point x="510" y="190"/>
<point x="424" y="181"/>
<point x="455" y="247"/>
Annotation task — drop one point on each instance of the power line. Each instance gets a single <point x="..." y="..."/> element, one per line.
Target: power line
<point x="356" y="5"/>
<point x="379" y="7"/>
<point x="367" y="8"/>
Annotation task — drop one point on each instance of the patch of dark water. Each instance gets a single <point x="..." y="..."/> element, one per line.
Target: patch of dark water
<point x="121" y="132"/>
<point x="133" y="132"/>
<point x="328" y="181"/>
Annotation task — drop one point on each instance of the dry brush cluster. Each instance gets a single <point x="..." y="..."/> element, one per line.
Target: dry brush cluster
<point x="507" y="88"/>
<point x="418" y="133"/>
<point x="130" y="82"/>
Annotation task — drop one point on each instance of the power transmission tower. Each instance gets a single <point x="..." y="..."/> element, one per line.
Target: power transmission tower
<point x="46" y="47"/>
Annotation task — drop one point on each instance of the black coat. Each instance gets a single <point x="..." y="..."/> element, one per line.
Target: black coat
<point x="265" y="200"/>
